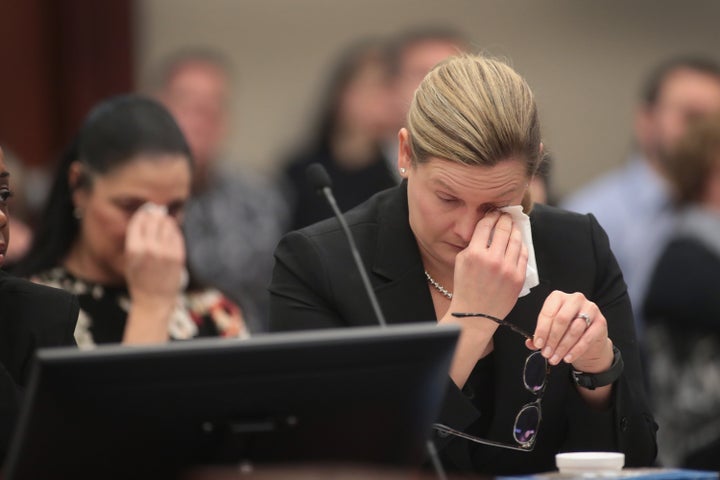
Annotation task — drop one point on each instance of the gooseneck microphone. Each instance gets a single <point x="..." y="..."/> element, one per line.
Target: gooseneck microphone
<point x="319" y="180"/>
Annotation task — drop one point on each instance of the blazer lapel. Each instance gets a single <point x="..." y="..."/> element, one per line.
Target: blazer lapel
<point x="402" y="292"/>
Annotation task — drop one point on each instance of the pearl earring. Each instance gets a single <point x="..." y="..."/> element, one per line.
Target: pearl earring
<point x="402" y="170"/>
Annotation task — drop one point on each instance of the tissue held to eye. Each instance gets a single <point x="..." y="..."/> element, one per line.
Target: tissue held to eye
<point x="523" y="223"/>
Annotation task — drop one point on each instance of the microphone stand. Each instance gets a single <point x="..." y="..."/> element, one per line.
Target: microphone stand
<point x="319" y="175"/>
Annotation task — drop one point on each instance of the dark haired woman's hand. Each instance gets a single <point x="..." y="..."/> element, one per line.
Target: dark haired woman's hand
<point x="155" y="261"/>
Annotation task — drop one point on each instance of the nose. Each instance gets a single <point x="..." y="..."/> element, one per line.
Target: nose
<point x="465" y="224"/>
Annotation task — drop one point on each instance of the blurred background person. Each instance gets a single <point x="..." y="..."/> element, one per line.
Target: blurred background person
<point x="632" y="203"/>
<point x="354" y="120"/>
<point x="682" y="308"/>
<point x="32" y="317"/>
<point x="234" y="218"/>
<point x="111" y="232"/>
<point x="412" y="55"/>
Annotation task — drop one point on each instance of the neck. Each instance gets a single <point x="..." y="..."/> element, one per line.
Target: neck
<point x="81" y="264"/>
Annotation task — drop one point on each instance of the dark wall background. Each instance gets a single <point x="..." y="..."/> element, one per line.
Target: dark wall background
<point x="58" y="58"/>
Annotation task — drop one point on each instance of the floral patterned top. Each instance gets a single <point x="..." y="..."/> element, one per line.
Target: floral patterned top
<point x="104" y="310"/>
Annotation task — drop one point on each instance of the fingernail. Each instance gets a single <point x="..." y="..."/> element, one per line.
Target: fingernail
<point x="568" y="358"/>
<point x="547" y="352"/>
<point x="554" y="360"/>
<point x="539" y="342"/>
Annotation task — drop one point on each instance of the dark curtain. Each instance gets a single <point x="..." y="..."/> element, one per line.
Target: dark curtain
<point x="57" y="59"/>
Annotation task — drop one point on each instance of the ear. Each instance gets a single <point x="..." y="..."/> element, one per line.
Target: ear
<point x="404" y="152"/>
<point x="77" y="182"/>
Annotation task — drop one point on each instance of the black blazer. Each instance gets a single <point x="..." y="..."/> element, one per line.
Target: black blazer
<point x="31" y="317"/>
<point x="315" y="285"/>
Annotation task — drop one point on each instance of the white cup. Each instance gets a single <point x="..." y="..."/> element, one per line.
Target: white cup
<point x="589" y="462"/>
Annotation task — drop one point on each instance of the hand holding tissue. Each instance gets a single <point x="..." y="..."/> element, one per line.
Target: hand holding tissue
<point x="522" y="221"/>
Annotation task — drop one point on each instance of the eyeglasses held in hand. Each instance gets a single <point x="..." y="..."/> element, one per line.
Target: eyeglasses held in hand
<point x="527" y="421"/>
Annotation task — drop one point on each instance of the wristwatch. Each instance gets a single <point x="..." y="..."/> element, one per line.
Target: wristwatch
<point x="591" y="381"/>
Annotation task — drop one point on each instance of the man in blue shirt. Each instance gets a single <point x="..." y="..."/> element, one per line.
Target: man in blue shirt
<point x="633" y="202"/>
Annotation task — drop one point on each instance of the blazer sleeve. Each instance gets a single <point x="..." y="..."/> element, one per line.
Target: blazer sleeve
<point x="628" y="426"/>
<point x="300" y="290"/>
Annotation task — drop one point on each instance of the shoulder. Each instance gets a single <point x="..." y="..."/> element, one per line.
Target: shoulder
<point x="16" y="291"/>
<point x="559" y="232"/>
<point x="323" y="245"/>
<point x="572" y="249"/>
<point x="366" y="215"/>
<point x="562" y="229"/>
<point x="685" y="253"/>
<point x="45" y="311"/>
<point x="547" y="220"/>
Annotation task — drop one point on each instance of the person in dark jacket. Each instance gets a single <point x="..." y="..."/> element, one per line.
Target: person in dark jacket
<point x="455" y="238"/>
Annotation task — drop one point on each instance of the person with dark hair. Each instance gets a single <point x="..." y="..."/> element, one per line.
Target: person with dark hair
<point x="411" y="55"/>
<point x="234" y="217"/>
<point x="633" y="202"/>
<point x="353" y="122"/>
<point x="682" y="308"/>
<point x="31" y="317"/>
<point x="111" y="231"/>
<point x="547" y="359"/>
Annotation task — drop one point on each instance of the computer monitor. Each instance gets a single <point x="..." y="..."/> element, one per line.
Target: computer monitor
<point x="363" y="395"/>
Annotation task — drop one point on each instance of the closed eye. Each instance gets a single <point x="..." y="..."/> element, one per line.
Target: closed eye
<point x="445" y="198"/>
<point x="129" y="206"/>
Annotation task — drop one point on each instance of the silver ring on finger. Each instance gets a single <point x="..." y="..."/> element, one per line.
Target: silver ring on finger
<point x="586" y="318"/>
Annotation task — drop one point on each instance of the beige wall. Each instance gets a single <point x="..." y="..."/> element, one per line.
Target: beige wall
<point x="584" y="58"/>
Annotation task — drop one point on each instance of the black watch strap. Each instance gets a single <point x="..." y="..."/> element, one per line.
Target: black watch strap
<point x="592" y="381"/>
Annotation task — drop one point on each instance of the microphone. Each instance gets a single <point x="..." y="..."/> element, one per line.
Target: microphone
<point x="319" y="180"/>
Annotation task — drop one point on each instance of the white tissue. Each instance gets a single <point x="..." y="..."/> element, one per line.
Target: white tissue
<point x="523" y="223"/>
<point x="154" y="207"/>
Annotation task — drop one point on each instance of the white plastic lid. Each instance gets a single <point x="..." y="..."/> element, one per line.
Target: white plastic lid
<point x="578" y="462"/>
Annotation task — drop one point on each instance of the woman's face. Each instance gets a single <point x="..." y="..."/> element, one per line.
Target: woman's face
<point x="4" y="218"/>
<point x="108" y="204"/>
<point x="447" y="200"/>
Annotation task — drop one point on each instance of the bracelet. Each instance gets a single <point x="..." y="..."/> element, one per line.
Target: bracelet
<point x="591" y="381"/>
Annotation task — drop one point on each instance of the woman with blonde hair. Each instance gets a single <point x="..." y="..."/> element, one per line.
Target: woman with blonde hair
<point x="453" y="244"/>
